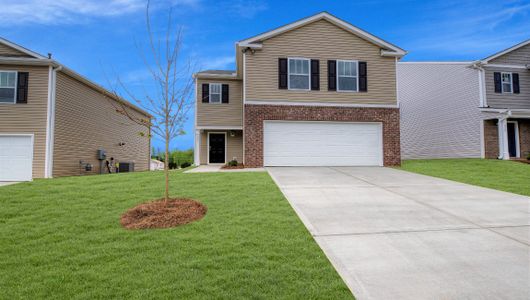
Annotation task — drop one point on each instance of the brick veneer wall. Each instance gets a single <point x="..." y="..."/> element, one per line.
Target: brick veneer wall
<point x="524" y="137"/>
<point x="256" y="114"/>
<point x="491" y="139"/>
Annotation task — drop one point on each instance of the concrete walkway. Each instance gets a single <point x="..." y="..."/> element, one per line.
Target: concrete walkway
<point x="217" y="168"/>
<point x="398" y="235"/>
<point x="3" y="183"/>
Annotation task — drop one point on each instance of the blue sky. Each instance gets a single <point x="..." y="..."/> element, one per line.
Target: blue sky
<point x="99" y="38"/>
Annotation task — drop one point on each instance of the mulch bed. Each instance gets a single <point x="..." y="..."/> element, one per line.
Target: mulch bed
<point x="239" y="166"/>
<point x="161" y="214"/>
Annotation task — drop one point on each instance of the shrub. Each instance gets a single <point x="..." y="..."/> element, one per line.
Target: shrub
<point x="232" y="163"/>
<point x="185" y="165"/>
<point x="528" y="156"/>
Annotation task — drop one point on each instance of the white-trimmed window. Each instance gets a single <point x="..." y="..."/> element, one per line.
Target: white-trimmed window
<point x="507" y="82"/>
<point x="347" y="75"/>
<point x="215" y="93"/>
<point x="299" y="72"/>
<point x="8" y="84"/>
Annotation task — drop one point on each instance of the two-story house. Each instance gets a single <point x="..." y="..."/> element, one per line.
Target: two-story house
<point x="475" y="109"/>
<point x="55" y="122"/>
<point x="316" y="92"/>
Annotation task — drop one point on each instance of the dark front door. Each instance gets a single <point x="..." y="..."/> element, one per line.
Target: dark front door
<point x="512" y="138"/>
<point x="217" y="148"/>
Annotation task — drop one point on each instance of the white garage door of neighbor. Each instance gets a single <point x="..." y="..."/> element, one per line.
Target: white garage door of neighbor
<point x="294" y="143"/>
<point x="16" y="157"/>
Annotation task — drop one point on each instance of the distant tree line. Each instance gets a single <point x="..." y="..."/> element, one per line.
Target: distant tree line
<point x="177" y="158"/>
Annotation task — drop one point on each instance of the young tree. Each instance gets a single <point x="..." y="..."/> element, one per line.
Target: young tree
<point x="169" y="101"/>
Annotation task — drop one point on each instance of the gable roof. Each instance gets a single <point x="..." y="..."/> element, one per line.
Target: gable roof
<point x="39" y="60"/>
<point x="388" y="49"/>
<point x="505" y="51"/>
<point x="21" y="49"/>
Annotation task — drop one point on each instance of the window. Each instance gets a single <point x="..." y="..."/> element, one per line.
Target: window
<point x="506" y="80"/>
<point x="298" y="70"/>
<point x="215" y="93"/>
<point x="347" y="75"/>
<point x="8" y="87"/>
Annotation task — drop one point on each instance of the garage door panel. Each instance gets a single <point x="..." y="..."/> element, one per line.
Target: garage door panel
<point x="16" y="157"/>
<point x="291" y="143"/>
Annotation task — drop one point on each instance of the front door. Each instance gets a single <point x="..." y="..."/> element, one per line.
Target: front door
<point x="512" y="139"/>
<point x="217" y="148"/>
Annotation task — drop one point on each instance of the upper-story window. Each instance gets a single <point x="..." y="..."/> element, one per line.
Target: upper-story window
<point x="8" y="86"/>
<point x="299" y="74"/>
<point x="215" y="93"/>
<point x="347" y="75"/>
<point x="506" y="80"/>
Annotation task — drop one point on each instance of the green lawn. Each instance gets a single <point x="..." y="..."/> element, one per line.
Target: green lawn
<point x="502" y="175"/>
<point x="61" y="239"/>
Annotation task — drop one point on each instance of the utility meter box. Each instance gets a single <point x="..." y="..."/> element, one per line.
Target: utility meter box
<point x="102" y="154"/>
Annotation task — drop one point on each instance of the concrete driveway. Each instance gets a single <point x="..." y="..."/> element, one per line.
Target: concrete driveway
<point x="392" y="234"/>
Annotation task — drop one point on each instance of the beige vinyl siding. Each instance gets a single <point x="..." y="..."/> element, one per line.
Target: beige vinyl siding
<point x="87" y="121"/>
<point x="8" y="51"/>
<point x="221" y="114"/>
<point x="234" y="146"/>
<point x="519" y="56"/>
<point x="29" y="118"/>
<point x="324" y="41"/>
<point x="508" y="100"/>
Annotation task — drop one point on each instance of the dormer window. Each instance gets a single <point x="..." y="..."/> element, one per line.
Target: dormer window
<point x="8" y="81"/>
<point x="299" y="70"/>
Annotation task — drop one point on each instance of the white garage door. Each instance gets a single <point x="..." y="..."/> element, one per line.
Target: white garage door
<point x="16" y="156"/>
<point x="292" y="143"/>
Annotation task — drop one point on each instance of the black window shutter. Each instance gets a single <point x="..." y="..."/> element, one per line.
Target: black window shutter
<point x="497" y="81"/>
<point x="22" y="87"/>
<point x="515" y="80"/>
<point x="224" y="94"/>
<point x="363" y="77"/>
<point x="282" y="73"/>
<point x="205" y="93"/>
<point x="315" y="74"/>
<point x="332" y="75"/>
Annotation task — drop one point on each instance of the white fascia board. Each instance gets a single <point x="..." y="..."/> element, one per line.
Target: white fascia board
<point x="21" y="49"/>
<point x="7" y="60"/>
<point x="515" y="47"/>
<point x="219" y="127"/>
<point x="290" y="103"/>
<point x="435" y="62"/>
<point x="328" y="17"/>
<point x="215" y="76"/>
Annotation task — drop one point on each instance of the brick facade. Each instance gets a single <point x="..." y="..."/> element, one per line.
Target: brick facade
<point x="524" y="137"/>
<point x="256" y="114"/>
<point x="491" y="139"/>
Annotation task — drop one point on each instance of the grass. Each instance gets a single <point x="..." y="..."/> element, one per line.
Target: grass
<point x="61" y="239"/>
<point x="502" y="175"/>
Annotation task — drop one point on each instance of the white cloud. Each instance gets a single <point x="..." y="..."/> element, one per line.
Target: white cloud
<point x="218" y="63"/>
<point x="247" y="9"/>
<point x="71" y="11"/>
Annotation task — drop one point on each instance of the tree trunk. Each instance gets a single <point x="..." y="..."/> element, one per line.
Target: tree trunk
<point x="166" y="169"/>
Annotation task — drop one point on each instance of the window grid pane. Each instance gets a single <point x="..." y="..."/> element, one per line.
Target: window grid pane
<point x="347" y="75"/>
<point x="7" y="95"/>
<point x="299" y="74"/>
<point x="215" y="93"/>
<point x="7" y="79"/>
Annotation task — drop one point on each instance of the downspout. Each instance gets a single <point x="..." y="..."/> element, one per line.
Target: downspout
<point x="50" y="128"/>
<point x="479" y="65"/>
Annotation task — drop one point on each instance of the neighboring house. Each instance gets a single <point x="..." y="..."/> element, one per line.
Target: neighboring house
<point x="156" y="165"/>
<point x="53" y="121"/>
<point x="467" y="109"/>
<point x="316" y="92"/>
